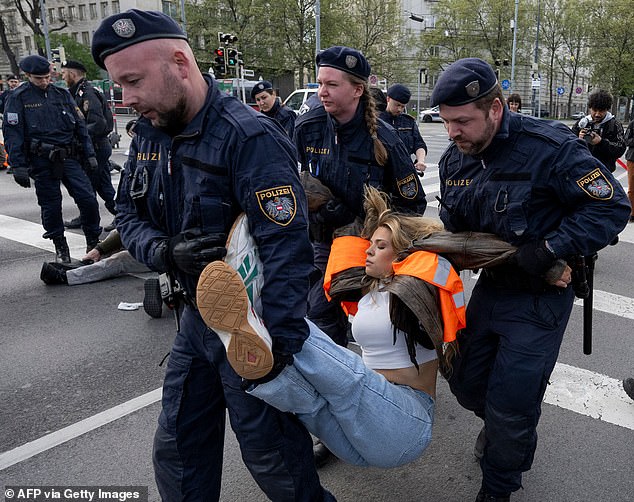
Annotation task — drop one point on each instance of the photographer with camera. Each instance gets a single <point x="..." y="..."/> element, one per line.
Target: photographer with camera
<point x="601" y="131"/>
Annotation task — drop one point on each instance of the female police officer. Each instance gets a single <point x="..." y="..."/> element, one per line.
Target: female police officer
<point x="346" y="146"/>
<point x="198" y="159"/>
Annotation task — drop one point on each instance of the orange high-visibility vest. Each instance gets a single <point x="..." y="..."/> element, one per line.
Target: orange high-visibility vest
<point x="346" y="252"/>
<point x="349" y="251"/>
<point x="436" y="270"/>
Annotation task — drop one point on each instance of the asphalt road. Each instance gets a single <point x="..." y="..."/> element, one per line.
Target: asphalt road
<point x="79" y="384"/>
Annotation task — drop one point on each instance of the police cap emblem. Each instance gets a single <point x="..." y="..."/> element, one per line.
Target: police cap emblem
<point x="408" y="186"/>
<point x="596" y="185"/>
<point x="278" y="204"/>
<point x="351" y="61"/>
<point x="473" y="89"/>
<point x="124" y="27"/>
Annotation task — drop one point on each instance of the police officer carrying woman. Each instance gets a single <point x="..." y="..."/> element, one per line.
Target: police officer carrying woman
<point x="45" y="137"/>
<point x="346" y="146"/>
<point x="198" y="159"/>
<point x="536" y="186"/>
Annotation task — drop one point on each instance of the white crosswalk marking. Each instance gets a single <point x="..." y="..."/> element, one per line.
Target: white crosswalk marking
<point x="592" y="394"/>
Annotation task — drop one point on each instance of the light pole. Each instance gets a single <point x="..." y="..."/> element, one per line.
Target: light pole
<point x="47" y="41"/>
<point x="317" y="32"/>
<point x="537" y="103"/>
<point x="183" y="20"/>
<point x="514" y="28"/>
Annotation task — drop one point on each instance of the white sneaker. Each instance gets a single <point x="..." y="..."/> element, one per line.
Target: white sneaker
<point x="243" y="257"/>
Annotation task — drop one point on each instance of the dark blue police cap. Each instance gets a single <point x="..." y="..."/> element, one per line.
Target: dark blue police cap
<point x="131" y="27"/>
<point x="262" y="85"/>
<point x="463" y="82"/>
<point x="74" y="65"/>
<point x="35" y="65"/>
<point x="345" y="59"/>
<point x="400" y="93"/>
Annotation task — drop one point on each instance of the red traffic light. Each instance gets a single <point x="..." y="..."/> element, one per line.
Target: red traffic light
<point x="220" y="52"/>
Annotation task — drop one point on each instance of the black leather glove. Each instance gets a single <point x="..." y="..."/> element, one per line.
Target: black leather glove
<point x="191" y="251"/>
<point x="91" y="163"/>
<point x="21" y="176"/>
<point x="280" y="361"/>
<point x="335" y="214"/>
<point x="535" y="257"/>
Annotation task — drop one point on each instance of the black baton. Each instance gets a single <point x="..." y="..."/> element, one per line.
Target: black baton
<point x="587" y="305"/>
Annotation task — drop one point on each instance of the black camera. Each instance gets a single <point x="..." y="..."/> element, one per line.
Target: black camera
<point x="590" y="131"/>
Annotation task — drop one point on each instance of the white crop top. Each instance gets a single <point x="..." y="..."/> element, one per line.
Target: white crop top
<point x="374" y="332"/>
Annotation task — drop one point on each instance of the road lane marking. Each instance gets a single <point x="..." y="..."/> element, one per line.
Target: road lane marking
<point x="40" y="445"/>
<point x="29" y="233"/>
<point x="611" y="303"/>
<point x="592" y="394"/>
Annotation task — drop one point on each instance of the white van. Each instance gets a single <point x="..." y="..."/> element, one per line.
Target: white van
<point x="297" y="98"/>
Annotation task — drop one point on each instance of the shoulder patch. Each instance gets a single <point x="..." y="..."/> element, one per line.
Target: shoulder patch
<point x="12" y="118"/>
<point x="278" y="204"/>
<point x="596" y="185"/>
<point x="408" y="186"/>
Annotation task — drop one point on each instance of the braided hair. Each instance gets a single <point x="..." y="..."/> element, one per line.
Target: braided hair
<point x="371" y="119"/>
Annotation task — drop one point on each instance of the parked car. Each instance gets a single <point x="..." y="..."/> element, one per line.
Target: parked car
<point x="296" y="99"/>
<point x="578" y="115"/>
<point x="429" y="115"/>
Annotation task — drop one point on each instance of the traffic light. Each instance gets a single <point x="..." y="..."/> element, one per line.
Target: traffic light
<point x="58" y="56"/>
<point x="220" y="63"/>
<point x="226" y="38"/>
<point x="234" y="58"/>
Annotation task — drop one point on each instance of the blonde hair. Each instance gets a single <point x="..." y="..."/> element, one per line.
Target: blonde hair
<point x="405" y="227"/>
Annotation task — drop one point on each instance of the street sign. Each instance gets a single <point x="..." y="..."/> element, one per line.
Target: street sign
<point x="536" y="83"/>
<point x="578" y="90"/>
<point x="560" y="90"/>
<point x="248" y="73"/>
<point x="374" y="80"/>
<point x="506" y="84"/>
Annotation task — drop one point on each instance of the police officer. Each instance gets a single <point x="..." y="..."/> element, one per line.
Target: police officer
<point x="535" y="185"/>
<point x="44" y="133"/>
<point x="346" y="147"/>
<point x="197" y="160"/>
<point x="266" y="98"/>
<point x="94" y="108"/>
<point x="406" y="126"/>
<point x="13" y="82"/>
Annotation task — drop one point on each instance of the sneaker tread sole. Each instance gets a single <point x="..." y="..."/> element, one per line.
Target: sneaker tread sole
<point x="223" y="304"/>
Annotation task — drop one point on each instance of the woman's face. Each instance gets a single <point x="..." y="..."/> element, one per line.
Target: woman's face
<point x="380" y="254"/>
<point x="514" y="106"/>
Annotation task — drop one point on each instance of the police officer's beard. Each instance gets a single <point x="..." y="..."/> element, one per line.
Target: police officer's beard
<point x="475" y="146"/>
<point x="173" y="121"/>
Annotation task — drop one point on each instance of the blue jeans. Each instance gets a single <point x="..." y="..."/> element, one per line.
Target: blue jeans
<point x="199" y="388"/>
<point x="360" y="416"/>
<point x="507" y="353"/>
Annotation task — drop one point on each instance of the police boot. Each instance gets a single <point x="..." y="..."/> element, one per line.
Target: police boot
<point x="61" y="250"/>
<point x="628" y="386"/>
<point x="91" y="243"/>
<point x="74" y="223"/>
<point x="483" y="496"/>
<point x="53" y="273"/>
